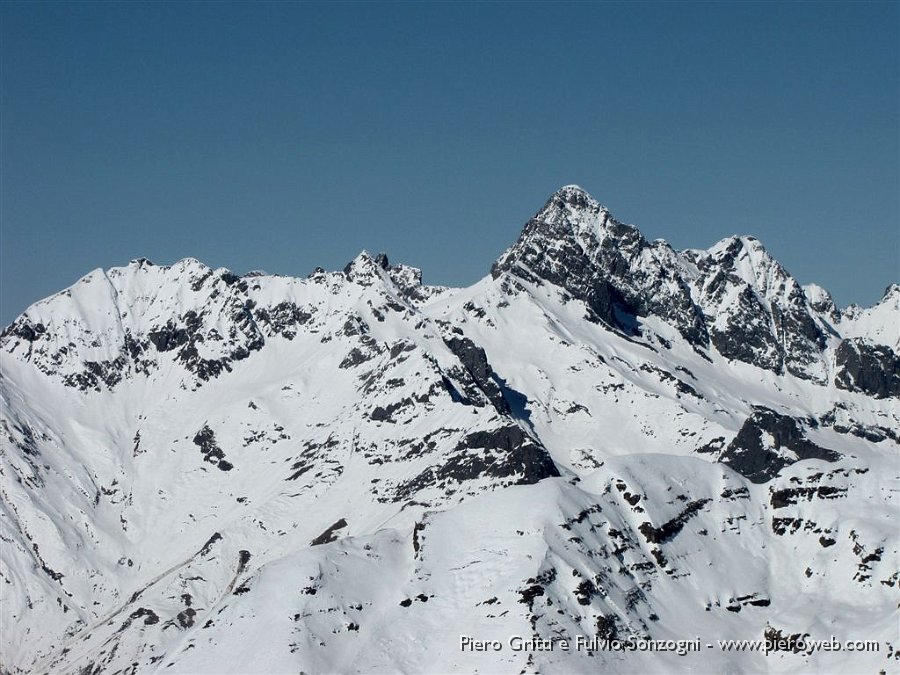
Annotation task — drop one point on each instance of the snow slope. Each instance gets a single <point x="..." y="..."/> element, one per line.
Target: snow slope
<point x="203" y="472"/>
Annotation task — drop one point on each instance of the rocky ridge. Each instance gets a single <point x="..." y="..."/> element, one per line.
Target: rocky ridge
<point x="603" y="437"/>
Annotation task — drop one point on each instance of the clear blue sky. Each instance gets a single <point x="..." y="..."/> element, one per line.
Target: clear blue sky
<point x="284" y="136"/>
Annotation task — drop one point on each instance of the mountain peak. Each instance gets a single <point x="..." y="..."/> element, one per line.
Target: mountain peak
<point x="892" y="292"/>
<point x="736" y="243"/>
<point x="572" y="189"/>
<point x="574" y="243"/>
<point x="748" y="258"/>
<point x="362" y="267"/>
<point x="567" y="203"/>
<point x="820" y="300"/>
<point x="182" y="444"/>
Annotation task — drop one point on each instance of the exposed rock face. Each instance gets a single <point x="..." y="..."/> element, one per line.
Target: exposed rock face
<point x="768" y="442"/>
<point x="517" y="454"/>
<point x="757" y="312"/>
<point x="733" y="295"/>
<point x="476" y="364"/>
<point x="574" y="243"/>
<point x="821" y="301"/>
<point x="868" y="368"/>
<point x="604" y="439"/>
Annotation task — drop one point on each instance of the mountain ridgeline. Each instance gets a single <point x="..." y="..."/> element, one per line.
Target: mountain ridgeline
<point x="207" y="472"/>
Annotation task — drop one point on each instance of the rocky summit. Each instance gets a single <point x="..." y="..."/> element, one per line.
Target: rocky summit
<point x="603" y="442"/>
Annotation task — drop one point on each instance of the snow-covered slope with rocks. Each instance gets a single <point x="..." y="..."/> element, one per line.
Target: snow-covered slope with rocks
<point x="878" y="323"/>
<point x="605" y="438"/>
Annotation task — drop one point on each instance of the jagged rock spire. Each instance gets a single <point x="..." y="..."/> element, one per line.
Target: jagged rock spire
<point x="573" y="242"/>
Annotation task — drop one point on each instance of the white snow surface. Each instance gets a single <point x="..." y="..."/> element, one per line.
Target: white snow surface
<point x="206" y="473"/>
<point x="880" y="323"/>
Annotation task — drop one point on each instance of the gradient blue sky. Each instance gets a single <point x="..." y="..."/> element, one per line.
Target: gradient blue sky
<point x="284" y="136"/>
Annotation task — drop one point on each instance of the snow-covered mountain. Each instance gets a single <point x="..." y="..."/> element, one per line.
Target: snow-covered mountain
<point x="603" y="439"/>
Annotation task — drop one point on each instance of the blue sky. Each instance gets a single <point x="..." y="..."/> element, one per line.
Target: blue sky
<point x="284" y="136"/>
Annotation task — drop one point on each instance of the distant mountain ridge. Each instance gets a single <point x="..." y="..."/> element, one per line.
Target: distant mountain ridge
<point x="613" y="437"/>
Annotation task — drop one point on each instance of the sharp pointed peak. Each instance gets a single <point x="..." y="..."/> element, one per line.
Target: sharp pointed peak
<point x="567" y="206"/>
<point x="819" y="299"/>
<point x="363" y="260"/>
<point x="366" y="266"/>
<point x="737" y="243"/>
<point x="574" y="198"/>
<point x="572" y="188"/>
<point x="890" y="292"/>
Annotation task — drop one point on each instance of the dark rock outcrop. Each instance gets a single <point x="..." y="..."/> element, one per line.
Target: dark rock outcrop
<point x="330" y="534"/>
<point x="574" y="243"/>
<point x="752" y="455"/>
<point x="475" y="362"/>
<point x="757" y="312"/>
<point x="868" y="368"/>
<point x="503" y="453"/>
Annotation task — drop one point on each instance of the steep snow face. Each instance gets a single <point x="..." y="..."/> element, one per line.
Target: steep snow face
<point x="206" y="472"/>
<point x="349" y="402"/>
